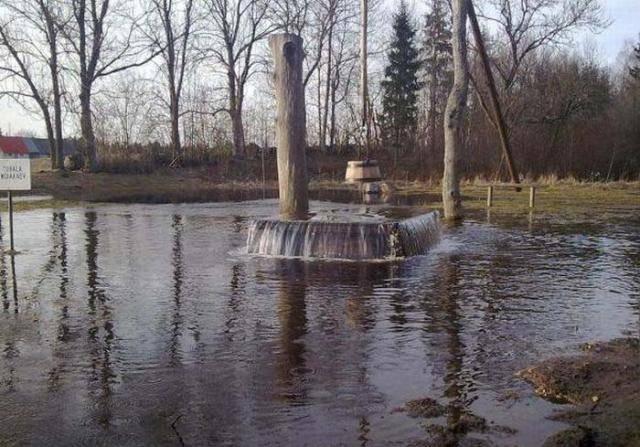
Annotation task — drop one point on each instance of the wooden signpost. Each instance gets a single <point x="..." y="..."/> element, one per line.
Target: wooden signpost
<point x="15" y="175"/>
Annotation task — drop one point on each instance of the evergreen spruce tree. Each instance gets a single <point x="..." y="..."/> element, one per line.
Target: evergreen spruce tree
<point x="635" y="69"/>
<point x="437" y="68"/>
<point x="401" y="85"/>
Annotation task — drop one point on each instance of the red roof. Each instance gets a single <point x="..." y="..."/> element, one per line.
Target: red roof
<point x="13" y="146"/>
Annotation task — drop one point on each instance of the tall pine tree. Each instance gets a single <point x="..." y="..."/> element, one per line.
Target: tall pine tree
<point x="437" y="68"/>
<point x="401" y="85"/>
<point x="635" y="69"/>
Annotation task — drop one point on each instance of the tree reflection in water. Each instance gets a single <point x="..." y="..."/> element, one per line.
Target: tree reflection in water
<point x="10" y="351"/>
<point x="101" y="334"/>
<point x="292" y="315"/>
<point x="63" y="332"/>
<point x="177" y="277"/>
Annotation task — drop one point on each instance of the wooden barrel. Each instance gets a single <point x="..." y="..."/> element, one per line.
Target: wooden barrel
<point x="363" y="171"/>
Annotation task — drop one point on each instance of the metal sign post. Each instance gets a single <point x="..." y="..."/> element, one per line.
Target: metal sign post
<point x="15" y="175"/>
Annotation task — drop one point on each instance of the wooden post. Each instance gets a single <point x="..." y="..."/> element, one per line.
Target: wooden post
<point x="290" y="124"/>
<point x="493" y="93"/>
<point x="532" y="197"/>
<point x="10" y="200"/>
<point x="489" y="196"/>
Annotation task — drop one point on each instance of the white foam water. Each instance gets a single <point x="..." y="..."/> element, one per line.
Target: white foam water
<point x="344" y="240"/>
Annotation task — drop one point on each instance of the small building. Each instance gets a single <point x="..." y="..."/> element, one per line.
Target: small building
<point x="25" y="147"/>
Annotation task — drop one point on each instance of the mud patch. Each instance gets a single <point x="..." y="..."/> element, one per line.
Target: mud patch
<point x="425" y="408"/>
<point x="455" y="424"/>
<point x="602" y="384"/>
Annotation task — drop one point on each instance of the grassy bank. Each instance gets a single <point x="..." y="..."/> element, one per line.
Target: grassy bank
<point x="198" y="185"/>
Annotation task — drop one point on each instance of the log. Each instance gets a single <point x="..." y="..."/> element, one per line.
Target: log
<point x="290" y="125"/>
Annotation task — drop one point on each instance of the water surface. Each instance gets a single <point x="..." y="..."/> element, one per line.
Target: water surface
<point x="146" y="324"/>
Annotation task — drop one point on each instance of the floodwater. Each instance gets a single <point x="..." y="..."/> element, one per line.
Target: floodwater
<point x="147" y="325"/>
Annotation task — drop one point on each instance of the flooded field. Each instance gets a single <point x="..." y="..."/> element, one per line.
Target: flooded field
<point x="146" y="324"/>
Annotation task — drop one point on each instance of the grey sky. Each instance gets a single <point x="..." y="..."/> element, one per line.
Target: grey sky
<point x="625" y="16"/>
<point x="626" y="26"/>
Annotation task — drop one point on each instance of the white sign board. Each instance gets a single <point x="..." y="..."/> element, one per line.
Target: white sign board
<point x="15" y="174"/>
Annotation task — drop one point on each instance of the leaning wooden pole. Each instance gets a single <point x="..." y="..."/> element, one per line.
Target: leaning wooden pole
<point x="454" y="113"/>
<point x="290" y="125"/>
<point x="493" y="93"/>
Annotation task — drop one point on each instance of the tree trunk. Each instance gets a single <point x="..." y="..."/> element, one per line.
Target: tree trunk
<point x="327" y="92"/>
<point x="431" y="120"/>
<point x="174" y="104"/>
<point x="57" y="160"/>
<point x="332" y="129"/>
<point x="88" y="138"/>
<point x="454" y="114"/>
<point x="319" y="92"/>
<point x="364" y="77"/>
<point x="290" y="125"/>
<point x="237" y="128"/>
<point x="57" y="110"/>
<point x="235" y="113"/>
<point x="175" y="128"/>
<point x="51" y="137"/>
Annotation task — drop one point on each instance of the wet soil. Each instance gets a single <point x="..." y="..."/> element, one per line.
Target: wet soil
<point x="450" y="425"/>
<point x="603" y="386"/>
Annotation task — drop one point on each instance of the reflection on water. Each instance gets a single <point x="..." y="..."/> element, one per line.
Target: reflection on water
<point x="176" y="260"/>
<point x="293" y="327"/>
<point x="130" y="325"/>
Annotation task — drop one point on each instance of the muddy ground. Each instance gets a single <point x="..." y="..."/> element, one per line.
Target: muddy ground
<point x="603" y="386"/>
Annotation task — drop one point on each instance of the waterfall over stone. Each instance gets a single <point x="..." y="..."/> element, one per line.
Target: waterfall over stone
<point x="344" y="240"/>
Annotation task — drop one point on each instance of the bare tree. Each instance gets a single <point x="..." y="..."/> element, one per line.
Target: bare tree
<point x="103" y="40"/>
<point x="310" y="20"/>
<point x="364" y="72"/>
<point x="315" y="22"/>
<point x="291" y="16"/>
<point x="344" y="74"/>
<point x="171" y="28"/>
<point x="332" y="13"/>
<point x="238" y="26"/>
<point x="525" y="26"/>
<point x="634" y="68"/>
<point x="454" y="114"/>
<point x="125" y="111"/>
<point x="26" y="55"/>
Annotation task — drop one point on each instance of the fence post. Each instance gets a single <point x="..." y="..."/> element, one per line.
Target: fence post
<point x="532" y="197"/>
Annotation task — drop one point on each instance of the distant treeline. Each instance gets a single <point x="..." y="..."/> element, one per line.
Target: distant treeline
<point x="195" y="76"/>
